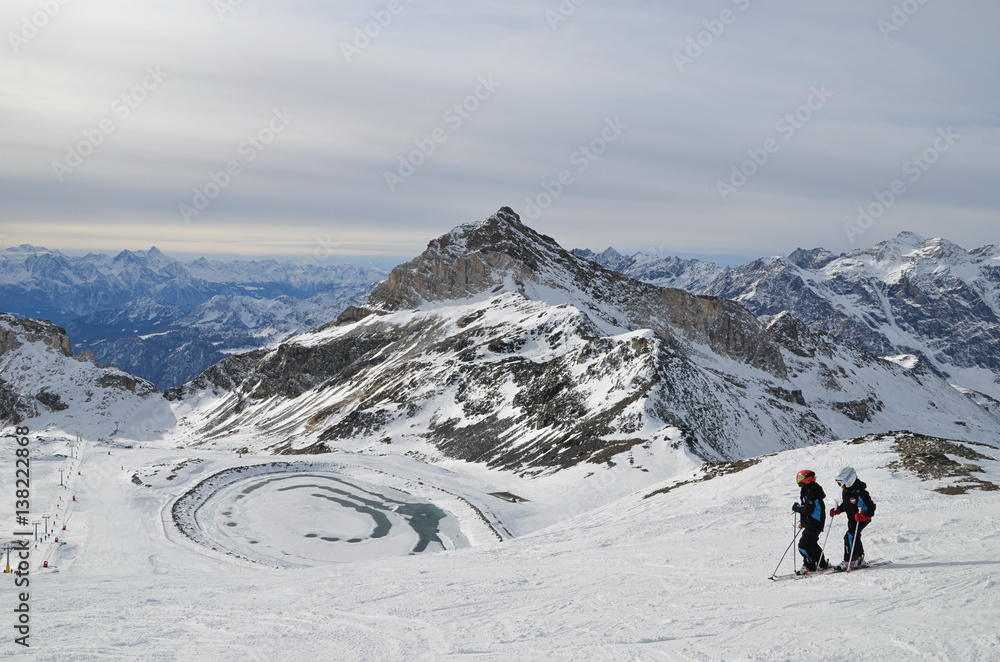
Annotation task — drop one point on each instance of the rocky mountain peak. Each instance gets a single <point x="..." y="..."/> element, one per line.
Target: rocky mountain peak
<point x="816" y="258"/>
<point x="501" y="253"/>
<point x="471" y="259"/>
<point x="501" y="232"/>
<point x="905" y="243"/>
<point x="912" y="239"/>
<point x="942" y="249"/>
<point x="612" y="259"/>
<point x="127" y="256"/>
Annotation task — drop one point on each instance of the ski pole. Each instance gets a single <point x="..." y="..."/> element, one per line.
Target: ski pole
<point x="785" y="554"/>
<point x="822" y="553"/>
<point x="795" y="530"/>
<point x="854" y="540"/>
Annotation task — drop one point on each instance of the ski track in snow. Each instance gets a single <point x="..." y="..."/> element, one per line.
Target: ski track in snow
<point x="679" y="576"/>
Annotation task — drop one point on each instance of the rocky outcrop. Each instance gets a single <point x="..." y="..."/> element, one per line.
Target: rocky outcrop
<point x="224" y="376"/>
<point x="41" y="376"/>
<point x="15" y="330"/>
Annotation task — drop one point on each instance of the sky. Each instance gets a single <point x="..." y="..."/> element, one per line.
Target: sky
<point x="303" y="129"/>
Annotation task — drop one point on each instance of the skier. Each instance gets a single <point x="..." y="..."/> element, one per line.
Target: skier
<point x="812" y="519"/>
<point x="860" y="509"/>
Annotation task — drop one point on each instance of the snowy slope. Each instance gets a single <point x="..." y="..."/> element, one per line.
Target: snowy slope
<point x="855" y="393"/>
<point x="681" y="575"/>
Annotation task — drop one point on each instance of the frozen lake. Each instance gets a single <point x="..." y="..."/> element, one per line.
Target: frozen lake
<point x="315" y="518"/>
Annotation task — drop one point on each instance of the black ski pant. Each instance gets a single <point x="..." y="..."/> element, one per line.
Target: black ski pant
<point x="810" y="550"/>
<point x="853" y="537"/>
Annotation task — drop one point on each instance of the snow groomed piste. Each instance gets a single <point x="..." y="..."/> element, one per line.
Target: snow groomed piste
<point x="308" y="514"/>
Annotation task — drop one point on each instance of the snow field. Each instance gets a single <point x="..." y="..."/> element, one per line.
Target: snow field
<point x="678" y="576"/>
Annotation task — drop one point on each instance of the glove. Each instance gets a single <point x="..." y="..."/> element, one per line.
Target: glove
<point x="796" y="507"/>
<point x="861" y="517"/>
<point x="835" y="511"/>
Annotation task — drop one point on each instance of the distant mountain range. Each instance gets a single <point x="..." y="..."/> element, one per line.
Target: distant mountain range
<point x="909" y="295"/>
<point x="165" y="320"/>
<point x="497" y="346"/>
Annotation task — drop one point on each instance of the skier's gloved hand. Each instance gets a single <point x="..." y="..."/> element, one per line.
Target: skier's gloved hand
<point x="796" y="507"/>
<point x="861" y="517"/>
<point x="834" y="512"/>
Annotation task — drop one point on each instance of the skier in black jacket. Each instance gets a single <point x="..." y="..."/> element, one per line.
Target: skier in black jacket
<point x="812" y="518"/>
<point x="860" y="509"/>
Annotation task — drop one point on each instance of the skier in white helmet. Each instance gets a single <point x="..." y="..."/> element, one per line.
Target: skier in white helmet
<point x="860" y="509"/>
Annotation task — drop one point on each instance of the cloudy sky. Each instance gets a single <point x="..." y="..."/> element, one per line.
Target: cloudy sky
<point x="308" y="128"/>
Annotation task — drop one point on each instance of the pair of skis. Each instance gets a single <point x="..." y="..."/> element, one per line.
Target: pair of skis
<point x="831" y="570"/>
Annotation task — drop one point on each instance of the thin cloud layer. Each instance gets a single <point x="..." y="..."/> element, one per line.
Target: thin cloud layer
<point x="298" y="128"/>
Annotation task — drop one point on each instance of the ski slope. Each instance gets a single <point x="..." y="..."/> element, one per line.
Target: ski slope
<point x="595" y="571"/>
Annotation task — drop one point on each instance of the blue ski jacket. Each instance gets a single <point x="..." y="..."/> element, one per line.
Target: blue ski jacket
<point x="812" y="513"/>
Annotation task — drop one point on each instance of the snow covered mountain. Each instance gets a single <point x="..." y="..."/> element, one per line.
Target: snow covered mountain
<point x="42" y="382"/>
<point x="40" y="283"/>
<point x="496" y="345"/>
<point x="909" y="295"/>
